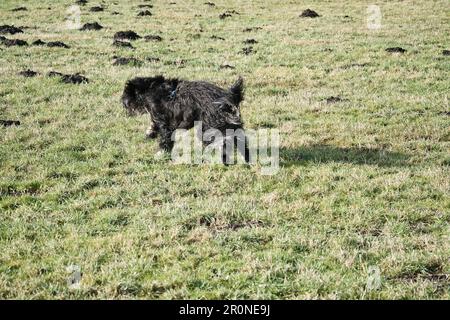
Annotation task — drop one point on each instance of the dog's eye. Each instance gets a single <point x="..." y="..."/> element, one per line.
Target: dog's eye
<point x="227" y="108"/>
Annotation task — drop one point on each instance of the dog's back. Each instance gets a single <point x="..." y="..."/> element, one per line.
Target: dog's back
<point x="207" y="94"/>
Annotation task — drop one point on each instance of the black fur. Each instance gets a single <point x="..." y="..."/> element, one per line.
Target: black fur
<point x="176" y="104"/>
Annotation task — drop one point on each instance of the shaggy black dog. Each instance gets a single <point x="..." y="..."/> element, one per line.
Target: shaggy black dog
<point x="176" y="104"/>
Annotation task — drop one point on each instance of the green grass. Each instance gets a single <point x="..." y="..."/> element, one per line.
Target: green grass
<point x="363" y="182"/>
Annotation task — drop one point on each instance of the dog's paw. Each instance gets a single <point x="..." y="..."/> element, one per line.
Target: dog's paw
<point x="161" y="155"/>
<point x="150" y="134"/>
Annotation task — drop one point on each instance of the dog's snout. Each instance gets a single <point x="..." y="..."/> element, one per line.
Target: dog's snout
<point x="125" y="102"/>
<point x="127" y="106"/>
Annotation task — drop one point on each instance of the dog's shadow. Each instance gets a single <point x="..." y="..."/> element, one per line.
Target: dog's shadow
<point x="326" y="153"/>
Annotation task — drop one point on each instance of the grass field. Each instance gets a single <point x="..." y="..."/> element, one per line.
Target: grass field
<point x="363" y="182"/>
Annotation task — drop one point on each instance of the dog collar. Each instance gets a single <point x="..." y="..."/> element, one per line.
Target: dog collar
<point x="173" y="94"/>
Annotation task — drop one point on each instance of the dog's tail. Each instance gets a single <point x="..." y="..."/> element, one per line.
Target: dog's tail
<point x="237" y="91"/>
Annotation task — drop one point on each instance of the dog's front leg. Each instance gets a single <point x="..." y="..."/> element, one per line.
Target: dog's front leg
<point x="165" y="139"/>
<point x="245" y="151"/>
<point x="239" y="142"/>
<point x="152" y="131"/>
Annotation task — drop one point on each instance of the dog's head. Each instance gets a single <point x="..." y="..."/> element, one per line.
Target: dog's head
<point x="230" y="111"/>
<point x="140" y="94"/>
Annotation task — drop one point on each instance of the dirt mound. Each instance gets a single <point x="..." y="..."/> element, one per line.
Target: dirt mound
<point x="122" y="44"/>
<point x="74" y="78"/>
<point x="228" y="13"/>
<point x="69" y="78"/>
<point x="10" y="29"/>
<point x="250" y="41"/>
<point x="28" y="73"/>
<point x="395" y="50"/>
<point x="19" y="9"/>
<point x="126" y="35"/>
<point x="121" y="61"/>
<point x="152" y="37"/>
<point x="8" y="123"/>
<point x="144" y="13"/>
<point x="225" y="15"/>
<point x="97" y="9"/>
<point x="308" y="13"/>
<point x="334" y="99"/>
<point x="57" y="44"/>
<point x="247" y="51"/>
<point x="251" y="29"/>
<point x="226" y="66"/>
<point x="38" y="42"/>
<point x="13" y="42"/>
<point x="91" y="26"/>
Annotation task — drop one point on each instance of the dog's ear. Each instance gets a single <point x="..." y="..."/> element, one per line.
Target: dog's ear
<point x="130" y="84"/>
<point x="169" y="85"/>
<point x="237" y="91"/>
<point x="130" y="88"/>
<point x="136" y="86"/>
<point x="157" y="81"/>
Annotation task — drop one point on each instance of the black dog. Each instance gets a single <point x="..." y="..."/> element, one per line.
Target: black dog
<point x="176" y="104"/>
